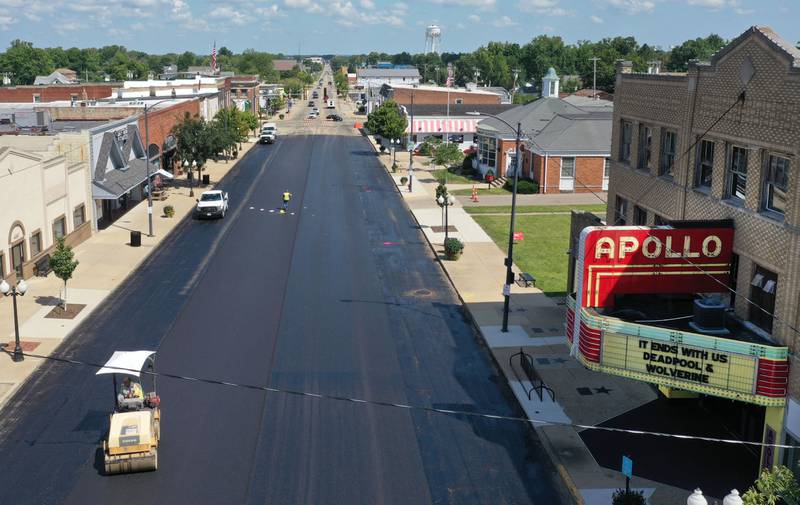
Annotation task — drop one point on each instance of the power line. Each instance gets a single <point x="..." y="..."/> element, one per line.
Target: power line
<point x="381" y="403"/>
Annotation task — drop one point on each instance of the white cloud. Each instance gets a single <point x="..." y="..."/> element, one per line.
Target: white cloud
<point x="548" y="29"/>
<point x="6" y="20"/>
<point x="546" y="7"/>
<point x="596" y="20"/>
<point x="632" y="6"/>
<point x="368" y="4"/>
<point x="481" y="4"/>
<point x="504" y="22"/>
<point x="306" y="5"/>
<point x="718" y="5"/>
<point x="228" y="13"/>
<point x="474" y="18"/>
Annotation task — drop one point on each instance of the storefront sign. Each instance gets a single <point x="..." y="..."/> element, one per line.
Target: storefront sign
<point x="677" y="365"/>
<point x="637" y="259"/>
<point x="717" y="366"/>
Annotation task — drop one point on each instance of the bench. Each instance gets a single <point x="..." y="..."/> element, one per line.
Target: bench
<point x="536" y="382"/>
<point x="42" y="267"/>
<point x="526" y="280"/>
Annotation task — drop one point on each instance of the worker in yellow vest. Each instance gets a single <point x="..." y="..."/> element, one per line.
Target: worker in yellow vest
<point x="286" y="197"/>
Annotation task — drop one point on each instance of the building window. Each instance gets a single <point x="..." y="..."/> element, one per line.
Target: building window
<point x="487" y="151"/>
<point x="762" y="293"/>
<point x="666" y="164"/>
<point x="2" y="266"/>
<point x="776" y="182"/>
<point x="705" y="164"/>
<point x="639" y="216"/>
<point x="737" y="173"/>
<point x="36" y="243"/>
<point x="37" y="98"/>
<point x="73" y="97"/>
<point x="78" y="216"/>
<point x="645" y="144"/>
<point x="459" y="101"/>
<point x="606" y="167"/>
<point x="625" y="142"/>
<point x="18" y="258"/>
<point x="658" y="220"/>
<point x="567" y="167"/>
<point x="620" y="211"/>
<point x="59" y="227"/>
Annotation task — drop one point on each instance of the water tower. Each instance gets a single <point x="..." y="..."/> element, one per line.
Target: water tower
<point x="433" y="38"/>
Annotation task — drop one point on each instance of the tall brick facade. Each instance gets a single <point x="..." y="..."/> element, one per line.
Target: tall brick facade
<point x="161" y="120"/>
<point x="761" y="127"/>
<point x="56" y="92"/>
<point x="440" y="96"/>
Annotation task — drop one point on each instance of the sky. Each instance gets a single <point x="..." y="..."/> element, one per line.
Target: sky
<point x="360" y="26"/>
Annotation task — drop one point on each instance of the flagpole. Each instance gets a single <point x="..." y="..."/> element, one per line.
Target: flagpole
<point x="449" y="84"/>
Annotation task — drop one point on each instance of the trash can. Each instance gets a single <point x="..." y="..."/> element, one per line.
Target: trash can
<point x="206" y="179"/>
<point x="136" y="238"/>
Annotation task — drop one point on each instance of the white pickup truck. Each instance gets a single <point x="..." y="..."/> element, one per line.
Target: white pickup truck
<point x="212" y="203"/>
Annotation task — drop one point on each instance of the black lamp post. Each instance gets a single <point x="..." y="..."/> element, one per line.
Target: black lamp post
<point x="446" y="201"/>
<point x="18" y="290"/>
<point x="510" y="258"/>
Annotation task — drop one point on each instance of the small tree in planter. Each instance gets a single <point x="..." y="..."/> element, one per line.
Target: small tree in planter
<point x="169" y="211"/>
<point x="489" y="176"/>
<point x="394" y="167"/>
<point x="453" y="248"/>
<point x="63" y="263"/>
<point x="620" y="497"/>
<point x="403" y="180"/>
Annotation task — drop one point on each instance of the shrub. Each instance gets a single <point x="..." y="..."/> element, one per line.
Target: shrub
<point x="169" y="211"/>
<point x="466" y="165"/>
<point x="453" y="248"/>
<point x="441" y="190"/>
<point x="280" y="116"/>
<point x="394" y="167"/>
<point x="524" y="186"/>
<point x="383" y="148"/>
<point x="632" y="498"/>
<point x="404" y="180"/>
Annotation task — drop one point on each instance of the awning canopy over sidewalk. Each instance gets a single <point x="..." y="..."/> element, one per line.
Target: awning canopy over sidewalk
<point x="443" y="126"/>
<point x="118" y="182"/>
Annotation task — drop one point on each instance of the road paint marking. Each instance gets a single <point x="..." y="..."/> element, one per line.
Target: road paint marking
<point x="272" y="210"/>
<point x="291" y="213"/>
<point x="261" y="210"/>
<point x="251" y="208"/>
<point x="391" y="243"/>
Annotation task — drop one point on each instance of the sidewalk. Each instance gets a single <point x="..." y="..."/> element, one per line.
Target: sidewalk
<point x="106" y="259"/>
<point x="552" y="199"/>
<point x="536" y="325"/>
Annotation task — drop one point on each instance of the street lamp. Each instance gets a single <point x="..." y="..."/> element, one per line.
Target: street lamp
<point x="510" y="257"/>
<point x="147" y="157"/>
<point x="191" y="175"/>
<point x="446" y="201"/>
<point x="18" y="290"/>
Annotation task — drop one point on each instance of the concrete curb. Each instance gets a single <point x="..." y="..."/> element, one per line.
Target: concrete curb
<point x="545" y="441"/>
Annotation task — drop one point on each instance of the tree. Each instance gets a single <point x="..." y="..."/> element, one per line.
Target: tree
<point x="186" y="60"/>
<point x="697" y="49"/>
<point x="24" y="62"/>
<point x="387" y="122"/>
<point x="446" y="155"/>
<point x="63" y="264"/>
<point x="773" y="487"/>
<point x="250" y="120"/>
<point x="620" y="497"/>
<point x="196" y="140"/>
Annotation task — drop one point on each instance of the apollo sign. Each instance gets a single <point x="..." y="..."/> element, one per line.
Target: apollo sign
<point x="636" y="259"/>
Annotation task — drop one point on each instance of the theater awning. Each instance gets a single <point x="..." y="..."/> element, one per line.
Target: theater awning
<point x="444" y="126"/>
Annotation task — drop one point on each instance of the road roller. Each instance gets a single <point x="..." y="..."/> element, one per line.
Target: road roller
<point x="135" y="425"/>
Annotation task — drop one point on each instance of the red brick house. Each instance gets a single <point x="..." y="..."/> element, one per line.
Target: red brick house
<point x="566" y="141"/>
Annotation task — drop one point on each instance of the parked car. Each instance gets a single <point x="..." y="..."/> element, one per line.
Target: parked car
<point x="312" y="115"/>
<point x="212" y="203"/>
<point x="315" y="110"/>
<point x="270" y="128"/>
<point x="334" y="117"/>
<point x="311" y="103"/>
<point x="266" y="138"/>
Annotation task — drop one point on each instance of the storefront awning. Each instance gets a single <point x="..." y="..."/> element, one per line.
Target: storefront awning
<point x="116" y="183"/>
<point x="444" y="126"/>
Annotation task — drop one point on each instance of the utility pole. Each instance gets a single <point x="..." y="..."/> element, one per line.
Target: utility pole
<point x="411" y="150"/>
<point x="594" y="77"/>
<point x="514" y="87"/>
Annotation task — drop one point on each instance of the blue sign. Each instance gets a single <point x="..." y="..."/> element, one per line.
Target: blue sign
<point x="627" y="467"/>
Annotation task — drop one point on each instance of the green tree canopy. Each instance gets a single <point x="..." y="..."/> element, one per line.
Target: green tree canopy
<point x="63" y="264"/>
<point x="24" y="62"/>
<point x="387" y="121"/>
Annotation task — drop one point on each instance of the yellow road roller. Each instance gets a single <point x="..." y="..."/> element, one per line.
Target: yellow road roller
<point x="135" y="424"/>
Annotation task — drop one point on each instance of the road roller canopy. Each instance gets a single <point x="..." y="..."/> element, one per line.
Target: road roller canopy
<point x="126" y="362"/>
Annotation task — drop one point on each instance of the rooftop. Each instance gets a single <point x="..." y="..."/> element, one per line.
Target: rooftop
<point x="441" y="89"/>
<point x="387" y="72"/>
<point x="440" y="110"/>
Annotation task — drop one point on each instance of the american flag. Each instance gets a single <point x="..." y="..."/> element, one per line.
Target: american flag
<point x="214" y="58"/>
<point x="450" y="76"/>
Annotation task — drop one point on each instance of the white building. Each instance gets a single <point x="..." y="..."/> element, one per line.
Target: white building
<point x="46" y="195"/>
<point x="375" y="78"/>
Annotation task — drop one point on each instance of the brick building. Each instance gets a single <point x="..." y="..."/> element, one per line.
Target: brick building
<point x="722" y="142"/>
<point x="566" y="141"/>
<point x="437" y="95"/>
<point x="56" y="92"/>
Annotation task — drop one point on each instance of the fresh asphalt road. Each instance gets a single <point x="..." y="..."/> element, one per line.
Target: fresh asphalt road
<point x="342" y="298"/>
